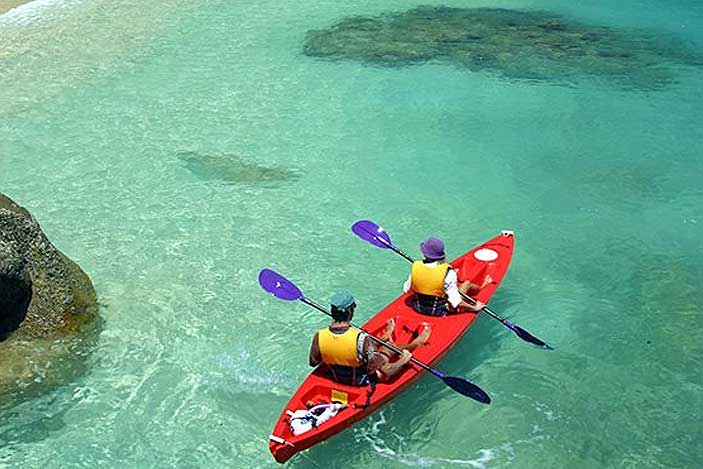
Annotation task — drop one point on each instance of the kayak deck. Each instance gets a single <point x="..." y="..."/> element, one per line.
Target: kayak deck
<point x="490" y="258"/>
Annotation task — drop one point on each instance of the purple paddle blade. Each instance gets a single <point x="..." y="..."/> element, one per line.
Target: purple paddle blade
<point x="279" y="286"/>
<point x="372" y="233"/>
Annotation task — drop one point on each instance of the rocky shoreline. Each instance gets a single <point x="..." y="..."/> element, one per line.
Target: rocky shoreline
<point x="45" y="298"/>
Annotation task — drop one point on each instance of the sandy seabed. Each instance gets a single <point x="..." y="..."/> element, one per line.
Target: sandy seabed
<point x="7" y="5"/>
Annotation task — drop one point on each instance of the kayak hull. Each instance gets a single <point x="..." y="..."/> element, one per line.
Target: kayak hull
<point x="490" y="258"/>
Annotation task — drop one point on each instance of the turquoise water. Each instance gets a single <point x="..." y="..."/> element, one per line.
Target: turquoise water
<point x="99" y="103"/>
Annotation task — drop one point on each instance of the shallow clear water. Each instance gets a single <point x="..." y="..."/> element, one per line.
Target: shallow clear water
<point x="115" y="120"/>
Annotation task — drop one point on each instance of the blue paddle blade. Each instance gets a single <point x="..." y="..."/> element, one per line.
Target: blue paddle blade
<point x="463" y="386"/>
<point x="467" y="388"/>
<point x="527" y="337"/>
<point x="372" y="233"/>
<point x="279" y="286"/>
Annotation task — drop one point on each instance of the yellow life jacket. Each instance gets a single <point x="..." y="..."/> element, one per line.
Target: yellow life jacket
<point x="428" y="280"/>
<point x="339" y="349"/>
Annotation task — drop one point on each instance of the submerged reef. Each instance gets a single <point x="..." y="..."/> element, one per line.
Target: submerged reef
<point x="533" y="45"/>
<point x="233" y="169"/>
<point x="45" y="300"/>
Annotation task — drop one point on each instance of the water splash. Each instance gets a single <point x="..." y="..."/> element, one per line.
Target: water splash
<point x="502" y="455"/>
<point x="243" y="372"/>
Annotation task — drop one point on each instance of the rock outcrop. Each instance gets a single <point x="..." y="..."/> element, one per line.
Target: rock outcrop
<point x="44" y="298"/>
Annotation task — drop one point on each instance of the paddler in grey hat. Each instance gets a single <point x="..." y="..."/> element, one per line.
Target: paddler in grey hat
<point x="352" y="356"/>
<point x="434" y="283"/>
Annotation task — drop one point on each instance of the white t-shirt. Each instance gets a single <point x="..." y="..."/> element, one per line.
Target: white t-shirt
<point x="450" y="287"/>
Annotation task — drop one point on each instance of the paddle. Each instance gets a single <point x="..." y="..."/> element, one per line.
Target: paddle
<point x="377" y="236"/>
<point x="282" y="288"/>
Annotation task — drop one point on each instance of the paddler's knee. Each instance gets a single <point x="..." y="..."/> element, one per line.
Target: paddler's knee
<point x="469" y="288"/>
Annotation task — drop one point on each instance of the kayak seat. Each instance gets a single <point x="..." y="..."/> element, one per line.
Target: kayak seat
<point x="412" y="302"/>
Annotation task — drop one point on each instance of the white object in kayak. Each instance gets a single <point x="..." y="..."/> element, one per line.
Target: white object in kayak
<point x="486" y="255"/>
<point x="302" y="421"/>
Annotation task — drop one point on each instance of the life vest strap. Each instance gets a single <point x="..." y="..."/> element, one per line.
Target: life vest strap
<point x="369" y="393"/>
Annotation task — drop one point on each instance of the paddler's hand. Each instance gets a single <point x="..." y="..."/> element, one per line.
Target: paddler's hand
<point x="391" y="368"/>
<point x="479" y="306"/>
<point x="465" y="306"/>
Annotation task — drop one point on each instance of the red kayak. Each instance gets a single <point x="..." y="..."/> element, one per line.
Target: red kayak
<point x="492" y="257"/>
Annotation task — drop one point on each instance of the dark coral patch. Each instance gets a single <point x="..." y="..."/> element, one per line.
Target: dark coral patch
<point x="533" y="45"/>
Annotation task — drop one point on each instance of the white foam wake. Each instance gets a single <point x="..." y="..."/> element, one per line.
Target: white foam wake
<point x="373" y="434"/>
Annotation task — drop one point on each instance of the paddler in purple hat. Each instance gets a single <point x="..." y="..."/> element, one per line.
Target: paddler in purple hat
<point x="434" y="283"/>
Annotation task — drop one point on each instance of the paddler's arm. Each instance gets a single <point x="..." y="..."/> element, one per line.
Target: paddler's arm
<point x="391" y="368"/>
<point x="454" y="297"/>
<point x="406" y="285"/>
<point x="315" y="357"/>
<point x="378" y="362"/>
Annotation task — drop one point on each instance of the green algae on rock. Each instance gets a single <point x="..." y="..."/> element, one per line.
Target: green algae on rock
<point x="47" y="298"/>
<point x="533" y="45"/>
<point x="233" y="169"/>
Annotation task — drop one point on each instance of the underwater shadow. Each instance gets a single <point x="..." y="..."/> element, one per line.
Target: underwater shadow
<point x="234" y="169"/>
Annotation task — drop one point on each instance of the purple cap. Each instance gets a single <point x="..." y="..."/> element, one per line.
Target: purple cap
<point x="433" y="249"/>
